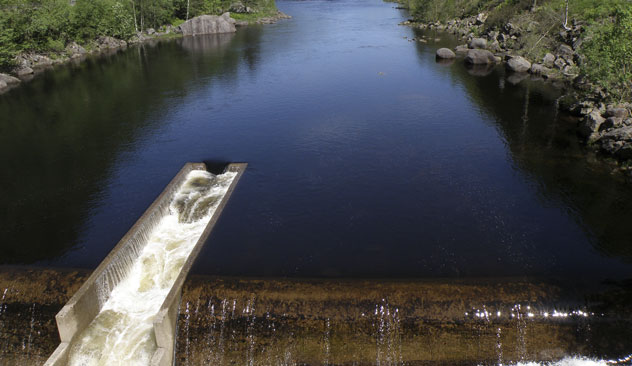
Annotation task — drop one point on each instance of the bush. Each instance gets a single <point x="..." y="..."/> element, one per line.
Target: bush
<point x="609" y="54"/>
<point x="93" y="18"/>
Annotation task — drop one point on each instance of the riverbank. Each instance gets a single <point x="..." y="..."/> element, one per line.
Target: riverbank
<point x="29" y="63"/>
<point x="533" y="42"/>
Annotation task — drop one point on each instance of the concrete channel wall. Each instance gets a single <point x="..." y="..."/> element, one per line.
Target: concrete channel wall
<point x="87" y="302"/>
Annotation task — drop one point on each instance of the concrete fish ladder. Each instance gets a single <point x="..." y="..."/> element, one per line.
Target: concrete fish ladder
<point x="80" y="311"/>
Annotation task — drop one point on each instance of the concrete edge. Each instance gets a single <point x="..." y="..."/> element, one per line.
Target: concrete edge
<point x="86" y="303"/>
<point x="59" y="356"/>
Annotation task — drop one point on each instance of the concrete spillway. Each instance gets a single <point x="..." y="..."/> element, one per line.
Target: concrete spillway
<point x="126" y="311"/>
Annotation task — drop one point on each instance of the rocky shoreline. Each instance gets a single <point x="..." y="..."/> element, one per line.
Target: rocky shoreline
<point x="31" y="64"/>
<point x="605" y="127"/>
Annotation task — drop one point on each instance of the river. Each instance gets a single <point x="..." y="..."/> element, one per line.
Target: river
<point x="367" y="158"/>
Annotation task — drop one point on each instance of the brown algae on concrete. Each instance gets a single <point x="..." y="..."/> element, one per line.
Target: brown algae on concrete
<point x="225" y="321"/>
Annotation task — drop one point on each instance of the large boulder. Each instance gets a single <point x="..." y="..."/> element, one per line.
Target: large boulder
<point x="478" y="43"/>
<point x="208" y="24"/>
<point x="518" y="64"/>
<point x="445" y="53"/>
<point x="479" y="57"/>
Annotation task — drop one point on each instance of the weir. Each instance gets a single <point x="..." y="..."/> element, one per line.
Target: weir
<point x="140" y="281"/>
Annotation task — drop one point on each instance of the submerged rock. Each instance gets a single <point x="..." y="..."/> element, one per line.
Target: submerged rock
<point x="445" y="53"/>
<point x="208" y="24"/>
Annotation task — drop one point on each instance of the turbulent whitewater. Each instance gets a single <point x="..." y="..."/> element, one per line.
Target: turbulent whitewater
<point x="122" y="333"/>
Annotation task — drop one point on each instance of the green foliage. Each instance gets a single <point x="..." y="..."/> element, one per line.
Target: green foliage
<point x="93" y="18"/>
<point x="609" y="54"/>
<point x="49" y="25"/>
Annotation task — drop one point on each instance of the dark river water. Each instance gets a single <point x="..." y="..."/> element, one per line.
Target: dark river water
<point x="366" y="157"/>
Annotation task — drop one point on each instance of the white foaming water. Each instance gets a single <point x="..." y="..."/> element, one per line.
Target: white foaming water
<point x="122" y="333"/>
<point x="572" y="361"/>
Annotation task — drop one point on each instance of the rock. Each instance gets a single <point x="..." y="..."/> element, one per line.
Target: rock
<point x="565" y="50"/>
<point x="110" y="43"/>
<point x="208" y="24"/>
<point x="618" y="142"/>
<point x="611" y="122"/>
<point x="559" y="63"/>
<point x="39" y="61"/>
<point x="479" y="57"/>
<point x="617" y="112"/>
<point x="240" y="9"/>
<point x="3" y="85"/>
<point x="445" y="53"/>
<point x="478" y="43"/>
<point x="518" y="64"/>
<point x="591" y="124"/>
<point x="74" y="48"/>
<point x="481" y="18"/>
<point x="495" y="46"/>
<point x="24" y="71"/>
<point x="9" y="80"/>
<point x="548" y="60"/>
<point x="461" y="49"/>
<point x="570" y="70"/>
<point x="539" y="70"/>
<point x="151" y="31"/>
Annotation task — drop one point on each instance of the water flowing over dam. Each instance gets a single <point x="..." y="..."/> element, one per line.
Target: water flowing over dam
<point x="142" y="277"/>
<point x="122" y="332"/>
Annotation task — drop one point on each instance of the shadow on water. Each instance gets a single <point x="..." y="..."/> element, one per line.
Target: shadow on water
<point x="65" y="130"/>
<point x="544" y="146"/>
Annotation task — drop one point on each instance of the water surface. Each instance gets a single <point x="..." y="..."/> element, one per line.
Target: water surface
<point x="366" y="157"/>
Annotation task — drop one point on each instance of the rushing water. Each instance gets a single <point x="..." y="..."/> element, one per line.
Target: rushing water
<point x="122" y="333"/>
